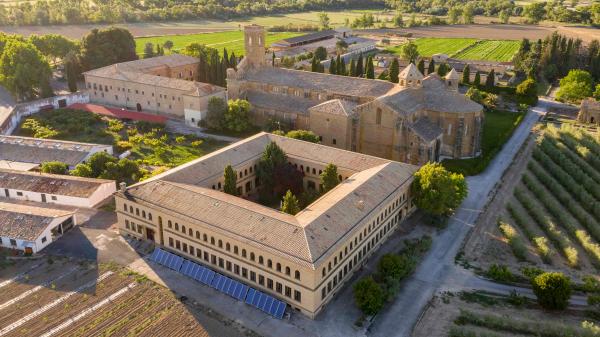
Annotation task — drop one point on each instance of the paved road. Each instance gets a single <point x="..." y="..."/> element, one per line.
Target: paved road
<point x="437" y="270"/>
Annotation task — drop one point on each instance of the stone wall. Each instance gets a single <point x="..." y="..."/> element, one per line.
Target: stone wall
<point x="10" y="121"/>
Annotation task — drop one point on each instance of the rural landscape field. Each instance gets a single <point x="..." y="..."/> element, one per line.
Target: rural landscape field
<point x="465" y="48"/>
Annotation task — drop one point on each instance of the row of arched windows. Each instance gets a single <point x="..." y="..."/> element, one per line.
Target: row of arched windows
<point x="137" y="212"/>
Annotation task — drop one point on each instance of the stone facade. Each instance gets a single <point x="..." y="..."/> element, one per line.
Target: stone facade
<point x="163" y="85"/>
<point x="590" y="111"/>
<point x="420" y="119"/>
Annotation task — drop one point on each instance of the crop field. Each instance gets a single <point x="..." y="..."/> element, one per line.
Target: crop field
<point x="65" y="298"/>
<point x="479" y="314"/>
<point x="492" y="50"/>
<point x="232" y="40"/>
<point x="465" y="48"/>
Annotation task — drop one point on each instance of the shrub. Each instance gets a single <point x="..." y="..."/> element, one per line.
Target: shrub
<point x="500" y="273"/>
<point x="514" y="240"/>
<point x="55" y="167"/>
<point x="552" y="290"/>
<point x="369" y="296"/>
<point x="115" y="125"/>
<point x="123" y="145"/>
<point x="527" y="92"/>
<point x="180" y="139"/>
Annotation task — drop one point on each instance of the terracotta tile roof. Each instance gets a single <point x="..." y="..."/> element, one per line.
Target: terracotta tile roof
<point x="50" y="183"/>
<point x="37" y="150"/>
<point x="26" y="222"/>
<point x="326" y="83"/>
<point x="304" y="238"/>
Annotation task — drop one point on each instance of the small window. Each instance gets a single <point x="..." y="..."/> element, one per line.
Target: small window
<point x="297" y="275"/>
<point x="278" y="267"/>
<point x="44" y="239"/>
<point x="287" y="271"/>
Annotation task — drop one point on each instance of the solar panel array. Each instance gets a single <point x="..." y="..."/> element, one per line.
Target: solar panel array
<point x="167" y="259"/>
<point x="224" y="284"/>
<point x="266" y="303"/>
<point x="230" y="287"/>
<point x="197" y="272"/>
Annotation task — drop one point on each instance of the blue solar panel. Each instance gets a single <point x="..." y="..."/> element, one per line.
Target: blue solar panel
<point x="266" y="303"/>
<point x="166" y="259"/>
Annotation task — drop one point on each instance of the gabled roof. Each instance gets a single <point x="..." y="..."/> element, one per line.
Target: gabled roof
<point x="304" y="238"/>
<point x="339" y="107"/>
<point x="452" y="75"/>
<point x="26" y="222"/>
<point x="425" y="129"/>
<point x="411" y="72"/>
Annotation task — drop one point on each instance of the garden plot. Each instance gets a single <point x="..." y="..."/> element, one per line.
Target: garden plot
<point x="490" y="50"/>
<point x="547" y="211"/>
<point x="70" y="299"/>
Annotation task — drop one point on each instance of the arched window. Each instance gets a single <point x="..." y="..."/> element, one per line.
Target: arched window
<point x="183" y="229"/>
<point x="251" y="256"/>
<point x="260" y="259"/>
<point x="160" y="220"/>
<point x="269" y="263"/>
<point x="144" y="214"/>
<point x="205" y="237"/>
<point x="220" y="244"/>
<point x="329" y="267"/>
<point x="227" y="246"/>
<point x="176" y="226"/>
<point x="190" y="232"/>
<point x="212" y="240"/>
<point x="169" y="223"/>
<point x="278" y="267"/>
<point x="324" y="272"/>
<point x="198" y="235"/>
<point x="235" y="250"/>
<point x="149" y="216"/>
<point x="287" y="271"/>
<point x="130" y="209"/>
<point x="297" y="275"/>
<point x="243" y="253"/>
<point x="125" y="207"/>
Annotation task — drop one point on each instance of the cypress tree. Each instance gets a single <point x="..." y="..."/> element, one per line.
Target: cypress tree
<point x="225" y="58"/>
<point x="338" y="64"/>
<point x="230" y="181"/>
<point x="477" y="80"/>
<point x="370" y="69"/>
<point x="352" y="68"/>
<point x="314" y="66"/>
<point x="201" y="73"/>
<point x="394" y="71"/>
<point x="273" y="59"/>
<point x="72" y="71"/>
<point x="290" y="204"/>
<point x="360" y="70"/>
<point x="489" y="81"/>
<point x="232" y="60"/>
<point x="332" y="66"/>
<point x="466" y="75"/>
<point x="421" y="66"/>
<point x="442" y="70"/>
<point x="343" y="71"/>
<point x="329" y="177"/>
<point x="148" y="50"/>
<point x="431" y="68"/>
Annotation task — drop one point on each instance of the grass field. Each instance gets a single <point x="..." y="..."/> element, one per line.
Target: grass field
<point x="232" y="40"/>
<point x="464" y="48"/>
<point x="498" y="126"/>
<point x="492" y="50"/>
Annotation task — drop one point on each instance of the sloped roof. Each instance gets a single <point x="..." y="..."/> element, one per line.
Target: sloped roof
<point x="452" y="75"/>
<point x="410" y="72"/>
<point x="278" y="102"/>
<point x="306" y="37"/>
<point x="173" y="60"/>
<point x="340" y="107"/>
<point x="26" y="222"/>
<point x="50" y="183"/>
<point x="304" y="238"/>
<point x="326" y="83"/>
<point x="425" y="129"/>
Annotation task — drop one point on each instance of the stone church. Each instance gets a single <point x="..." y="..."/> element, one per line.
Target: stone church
<point x="417" y="120"/>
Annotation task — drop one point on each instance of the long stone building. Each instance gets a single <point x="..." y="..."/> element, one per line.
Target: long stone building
<point x="304" y="259"/>
<point x="163" y="85"/>
<point x="417" y="120"/>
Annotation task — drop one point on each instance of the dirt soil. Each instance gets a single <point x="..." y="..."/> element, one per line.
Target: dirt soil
<point x="438" y="319"/>
<point x="143" y="307"/>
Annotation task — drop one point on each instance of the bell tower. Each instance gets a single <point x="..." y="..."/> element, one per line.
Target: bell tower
<point x="254" y="44"/>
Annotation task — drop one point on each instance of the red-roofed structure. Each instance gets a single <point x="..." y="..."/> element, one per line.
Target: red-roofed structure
<point x="119" y="113"/>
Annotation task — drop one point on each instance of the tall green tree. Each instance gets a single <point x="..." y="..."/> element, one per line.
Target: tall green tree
<point x="352" y="71"/>
<point x="332" y="66"/>
<point x="442" y="69"/>
<point x="215" y="112"/>
<point x="438" y="191"/>
<point x="53" y="46"/>
<point x="72" y="70"/>
<point x="576" y="86"/>
<point x="320" y="53"/>
<point x="369" y="296"/>
<point x="431" y="67"/>
<point x="314" y="65"/>
<point x="360" y="70"/>
<point x="394" y="71"/>
<point x="339" y="66"/>
<point x="421" y="66"/>
<point x="230" y="181"/>
<point x="323" y="21"/>
<point x="490" y="80"/>
<point x="466" y="75"/>
<point x="329" y="177"/>
<point x="535" y="12"/>
<point x="409" y="52"/>
<point x="290" y="204"/>
<point x="468" y="13"/>
<point x="477" y="79"/>
<point x="23" y="70"/>
<point x="168" y="45"/>
<point x="237" y="117"/>
<point x="148" y="50"/>
<point x="273" y="59"/>
<point x="370" y="70"/>
<point x="103" y="47"/>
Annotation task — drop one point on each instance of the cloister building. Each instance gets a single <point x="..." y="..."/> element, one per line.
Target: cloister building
<point x="302" y="259"/>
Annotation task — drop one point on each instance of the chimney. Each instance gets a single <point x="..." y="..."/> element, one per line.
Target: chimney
<point x="122" y="187"/>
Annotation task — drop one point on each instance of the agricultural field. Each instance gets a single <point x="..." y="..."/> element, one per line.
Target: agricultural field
<point x="465" y="48"/>
<point x="148" y="143"/>
<point x="62" y="297"/>
<point x="480" y="314"/>
<point x="493" y="50"/>
<point x="547" y="211"/>
<point x="232" y="40"/>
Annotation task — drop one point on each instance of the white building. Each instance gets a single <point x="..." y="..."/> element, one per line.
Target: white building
<point x="54" y="189"/>
<point x="25" y="153"/>
<point x="31" y="228"/>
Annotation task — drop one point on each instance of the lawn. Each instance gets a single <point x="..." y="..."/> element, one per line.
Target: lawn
<point x="428" y="46"/>
<point x="148" y="145"/>
<point x="232" y="40"/>
<point x="490" y="50"/>
<point x="466" y="49"/>
<point x="498" y="126"/>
